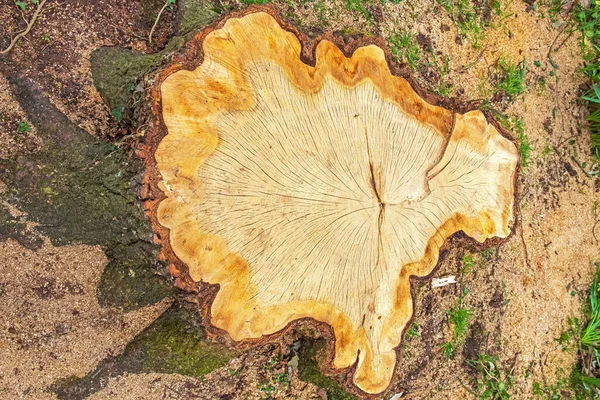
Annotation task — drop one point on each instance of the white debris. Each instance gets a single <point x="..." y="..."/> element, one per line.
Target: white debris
<point x="443" y="281"/>
<point x="397" y="396"/>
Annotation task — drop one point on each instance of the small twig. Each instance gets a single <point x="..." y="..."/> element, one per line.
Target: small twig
<point x="157" y="19"/>
<point x="173" y="390"/>
<point x="586" y="174"/>
<point x="563" y="42"/>
<point x="542" y="370"/>
<point x="551" y="49"/>
<point x="508" y="269"/>
<point x="471" y="65"/>
<point x="471" y="391"/>
<point x="23" y="16"/>
<point x="564" y="141"/>
<point x="514" y="363"/>
<point x="525" y="251"/>
<point x="549" y="54"/>
<point x="594" y="230"/>
<point x="14" y="40"/>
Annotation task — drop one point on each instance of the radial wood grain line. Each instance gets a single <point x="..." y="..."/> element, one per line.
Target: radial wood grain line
<point x="318" y="191"/>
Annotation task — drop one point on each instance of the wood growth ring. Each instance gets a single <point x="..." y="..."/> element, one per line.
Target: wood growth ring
<point x="316" y="191"/>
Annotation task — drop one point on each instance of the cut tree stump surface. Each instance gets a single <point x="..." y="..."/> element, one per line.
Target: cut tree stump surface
<point x="318" y="191"/>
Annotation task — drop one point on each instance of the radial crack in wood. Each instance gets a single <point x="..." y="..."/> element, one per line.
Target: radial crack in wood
<point x="318" y="191"/>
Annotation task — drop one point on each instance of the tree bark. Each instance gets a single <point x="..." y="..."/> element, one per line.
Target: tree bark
<point x="315" y="191"/>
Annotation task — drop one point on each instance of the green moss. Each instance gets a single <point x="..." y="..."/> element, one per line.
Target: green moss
<point x="308" y="371"/>
<point x="116" y="72"/>
<point x="130" y="280"/>
<point x="470" y="19"/>
<point x="174" y="343"/>
<point x="78" y="189"/>
<point x="405" y="48"/>
<point x="196" y="14"/>
<point x="11" y="228"/>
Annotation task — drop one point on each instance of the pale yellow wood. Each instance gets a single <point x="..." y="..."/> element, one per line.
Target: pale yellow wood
<point x="317" y="191"/>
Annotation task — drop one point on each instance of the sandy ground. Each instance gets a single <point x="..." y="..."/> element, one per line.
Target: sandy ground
<point x="51" y="325"/>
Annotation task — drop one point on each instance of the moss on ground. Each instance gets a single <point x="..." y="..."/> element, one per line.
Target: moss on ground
<point x="174" y="343"/>
<point x="133" y="278"/>
<point x="103" y="211"/>
<point x="196" y="14"/>
<point x="12" y="228"/>
<point x="78" y="189"/>
<point x="308" y="371"/>
<point x="117" y="71"/>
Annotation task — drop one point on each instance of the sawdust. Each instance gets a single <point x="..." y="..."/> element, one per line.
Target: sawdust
<point x="52" y="327"/>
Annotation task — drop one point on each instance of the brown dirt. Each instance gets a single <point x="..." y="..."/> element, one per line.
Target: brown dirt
<point x="52" y="327"/>
<point x="240" y="379"/>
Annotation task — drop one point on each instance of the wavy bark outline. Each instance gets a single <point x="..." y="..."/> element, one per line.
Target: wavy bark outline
<point x="317" y="191"/>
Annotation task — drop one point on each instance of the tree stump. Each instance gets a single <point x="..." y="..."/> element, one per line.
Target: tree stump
<point x="315" y="186"/>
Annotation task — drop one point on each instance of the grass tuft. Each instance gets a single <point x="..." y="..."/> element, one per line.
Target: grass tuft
<point x="513" y="80"/>
<point x="584" y="380"/>
<point x="525" y="148"/>
<point x="588" y="23"/>
<point x="471" y="262"/>
<point x="470" y="24"/>
<point x="492" y="381"/>
<point x="590" y="338"/>
<point x="467" y="263"/>
<point x="413" y="332"/>
<point x="404" y="48"/>
<point x="459" y="317"/>
<point x="359" y="7"/>
<point x="593" y="99"/>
